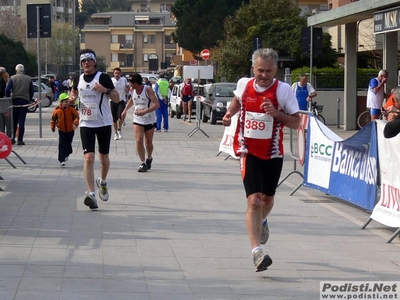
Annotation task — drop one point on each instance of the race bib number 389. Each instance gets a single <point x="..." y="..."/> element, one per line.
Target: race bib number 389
<point x="258" y="125"/>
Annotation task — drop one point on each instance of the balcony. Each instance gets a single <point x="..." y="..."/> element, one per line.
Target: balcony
<point x="127" y="45"/>
<point x="125" y="67"/>
<point x="121" y="47"/>
<point x="169" y="46"/>
<point x="114" y="46"/>
<point x="60" y="9"/>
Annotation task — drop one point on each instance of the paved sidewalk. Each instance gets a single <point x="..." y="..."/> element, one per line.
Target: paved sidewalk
<point x="176" y="232"/>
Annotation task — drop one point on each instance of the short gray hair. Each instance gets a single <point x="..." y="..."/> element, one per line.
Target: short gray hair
<point x="20" y="68"/>
<point x="383" y="73"/>
<point x="265" y="53"/>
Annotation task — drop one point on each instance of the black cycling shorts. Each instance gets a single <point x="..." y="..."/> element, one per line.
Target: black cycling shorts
<point x="88" y="137"/>
<point x="260" y="175"/>
<point x="147" y="126"/>
<point x="117" y="109"/>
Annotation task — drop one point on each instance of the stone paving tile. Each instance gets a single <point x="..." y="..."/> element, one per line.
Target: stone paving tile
<point x="175" y="232"/>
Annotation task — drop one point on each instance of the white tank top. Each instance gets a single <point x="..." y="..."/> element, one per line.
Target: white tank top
<point x="94" y="109"/>
<point x="120" y="85"/>
<point x="142" y="101"/>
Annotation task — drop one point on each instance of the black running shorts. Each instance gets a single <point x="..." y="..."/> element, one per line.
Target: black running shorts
<point x="259" y="175"/>
<point x="88" y="137"/>
<point x="117" y="109"/>
<point x="147" y="126"/>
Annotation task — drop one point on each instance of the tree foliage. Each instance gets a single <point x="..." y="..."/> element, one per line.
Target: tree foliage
<point x="265" y="19"/>
<point x="61" y="45"/>
<point x="13" y="53"/>
<point x="101" y="63"/>
<point x="199" y="22"/>
<point x="11" y="25"/>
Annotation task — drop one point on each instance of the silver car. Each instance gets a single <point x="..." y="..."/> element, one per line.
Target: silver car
<point x="45" y="101"/>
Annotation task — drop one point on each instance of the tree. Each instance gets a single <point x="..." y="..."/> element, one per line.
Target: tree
<point x="61" y="45"/>
<point x="263" y="18"/>
<point x="199" y="22"/>
<point x="10" y="24"/>
<point x="101" y="64"/>
<point x="13" y="53"/>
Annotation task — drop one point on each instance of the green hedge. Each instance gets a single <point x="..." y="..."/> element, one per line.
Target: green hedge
<point x="333" y="78"/>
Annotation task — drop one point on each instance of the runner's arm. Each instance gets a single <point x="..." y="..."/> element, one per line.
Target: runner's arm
<point x="153" y="99"/>
<point x="234" y="107"/>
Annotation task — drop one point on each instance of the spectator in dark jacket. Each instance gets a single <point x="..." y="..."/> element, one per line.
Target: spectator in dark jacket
<point x="4" y="77"/>
<point x="21" y="87"/>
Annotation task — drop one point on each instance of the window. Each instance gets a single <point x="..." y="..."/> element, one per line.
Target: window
<point x="144" y="38"/>
<point x="145" y="57"/>
<point x="129" y="60"/>
<point x="168" y="39"/>
<point x="143" y="7"/>
<point x="152" y="39"/>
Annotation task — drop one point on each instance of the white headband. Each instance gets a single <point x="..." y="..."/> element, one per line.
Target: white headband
<point x="88" y="56"/>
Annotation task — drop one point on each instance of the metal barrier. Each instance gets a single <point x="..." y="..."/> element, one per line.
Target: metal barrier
<point x="6" y="124"/>
<point x="297" y="148"/>
<point x="6" y="116"/>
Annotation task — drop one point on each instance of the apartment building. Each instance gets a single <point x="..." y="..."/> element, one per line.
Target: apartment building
<point x="133" y="41"/>
<point x="367" y="41"/>
<point x="62" y="10"/>
<point x="151" y="6"/>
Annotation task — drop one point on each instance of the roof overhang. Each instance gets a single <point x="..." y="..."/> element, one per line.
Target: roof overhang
<point x="350" y="13"/>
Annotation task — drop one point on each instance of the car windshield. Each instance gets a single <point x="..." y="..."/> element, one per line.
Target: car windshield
<point x="200" y="92"/>
<point x="225" y="90"/>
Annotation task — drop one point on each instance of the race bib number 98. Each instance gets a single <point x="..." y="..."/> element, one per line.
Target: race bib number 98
<point x="258" y="125"/>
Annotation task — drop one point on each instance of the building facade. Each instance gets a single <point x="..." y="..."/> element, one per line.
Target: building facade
<point x="151" y="6"/>
<point x="62" y="10"/>
<point x="133" y="41"/>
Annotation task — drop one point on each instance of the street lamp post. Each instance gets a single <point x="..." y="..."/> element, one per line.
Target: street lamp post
<point x="80" y="41"/>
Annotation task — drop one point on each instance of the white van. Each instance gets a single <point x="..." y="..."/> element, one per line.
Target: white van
<point x="175" y="101"/>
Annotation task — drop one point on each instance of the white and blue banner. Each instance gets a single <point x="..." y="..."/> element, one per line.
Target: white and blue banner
<point x="387" y="210"/>
<point x="347" y="169"/>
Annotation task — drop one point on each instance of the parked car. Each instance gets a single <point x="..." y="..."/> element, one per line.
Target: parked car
<point x="151" y="77"/>
<point x="45" y="101"/>
<point x="217" y="96"/>
<point x="175" y="101"/>
<point x="46" y="85"/>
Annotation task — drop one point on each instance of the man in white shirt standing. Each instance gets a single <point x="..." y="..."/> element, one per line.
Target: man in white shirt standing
<point x="376" y="94"/>
<point x="120" y="83"/>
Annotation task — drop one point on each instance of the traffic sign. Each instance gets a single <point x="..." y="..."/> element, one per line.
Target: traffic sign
<point x="205" y="54"/>
<point x="193" y="62"/>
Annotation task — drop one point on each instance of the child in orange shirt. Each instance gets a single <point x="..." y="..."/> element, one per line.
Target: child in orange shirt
<point x="66" y="119"/>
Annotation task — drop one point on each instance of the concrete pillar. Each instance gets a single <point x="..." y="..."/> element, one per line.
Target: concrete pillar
<point x="390" y="59"/>
<point x="350" y="77"/>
